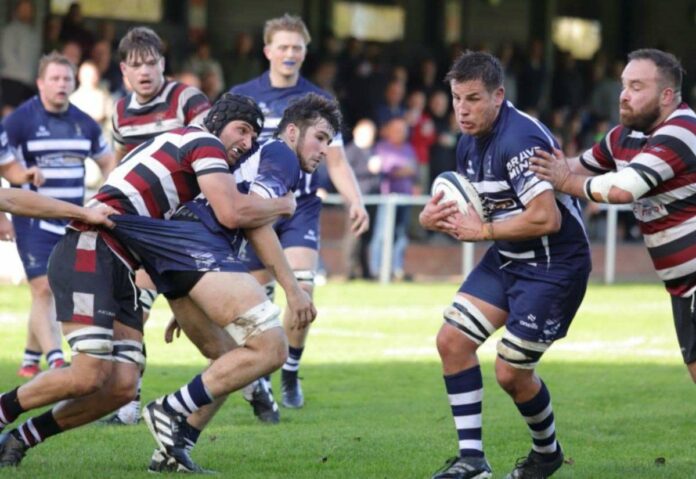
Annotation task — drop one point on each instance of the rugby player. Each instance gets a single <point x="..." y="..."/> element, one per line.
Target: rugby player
<point x="530" y="281"/>
<point x="155" y="105"/>
<point x="647" y="161"/>
<point x="286" y="39"/>
<point x="48" y="132"/>
<point x="92" y="275"/>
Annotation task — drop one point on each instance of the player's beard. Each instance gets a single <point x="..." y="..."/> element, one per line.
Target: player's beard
<point x="644" y="121"/>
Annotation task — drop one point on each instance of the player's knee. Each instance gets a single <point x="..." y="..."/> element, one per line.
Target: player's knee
<point x="86" y="381"/>
<point x="507" y="378"/>
<point x="40" y="288"/>
<point x="280" y="353"/>
<point x="305" y="278"/>
<point x="254" y="322"/>
<point x="214" y="348"/>
<point x="520" y="353"/>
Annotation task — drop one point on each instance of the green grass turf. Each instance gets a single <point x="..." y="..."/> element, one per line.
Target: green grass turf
<point x="376" y="406"/>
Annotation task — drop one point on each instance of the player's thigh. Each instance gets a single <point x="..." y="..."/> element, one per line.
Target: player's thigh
<point x="210" y="339"/>
<point x="225" y="296"/>
<point x="143" y="280"/>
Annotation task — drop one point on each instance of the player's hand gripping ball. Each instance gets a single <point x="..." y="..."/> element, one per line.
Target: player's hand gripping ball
<point x="458" y="189"/>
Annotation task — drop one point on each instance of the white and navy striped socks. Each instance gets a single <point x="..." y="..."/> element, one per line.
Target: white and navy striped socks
<point x="188" y="399"/>
<point x="465" y="393"/>
<point x="538" y="413"/>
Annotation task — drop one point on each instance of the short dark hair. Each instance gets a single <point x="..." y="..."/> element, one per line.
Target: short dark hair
<point x="310" y="109"/>
<point x="140" y="41"/>
<point x="668" y="65"/>
<point x="55" y="58"/>
<point x="482" y="66"/>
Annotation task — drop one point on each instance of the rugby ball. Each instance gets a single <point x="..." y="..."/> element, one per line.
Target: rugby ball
<point x="458" y="189"/>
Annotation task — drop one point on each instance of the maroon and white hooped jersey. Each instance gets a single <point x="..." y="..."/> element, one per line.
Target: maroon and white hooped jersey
<point x="665" y="159"/>
<point x="159" y="175"/>
<point x="175" y="106"/>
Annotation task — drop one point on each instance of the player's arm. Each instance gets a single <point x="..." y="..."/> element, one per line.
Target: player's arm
<point x="236" y="210"/>
<point x="17" y="174"/>
<point x="541" y="217"/>
<point x="106" y="163"/>
<point x="343" y="179"/>
<point x="269" y="250"/>
<point x="7" y="232"/>
<point x="27" y="203"/>
<point x="570" y="176"/>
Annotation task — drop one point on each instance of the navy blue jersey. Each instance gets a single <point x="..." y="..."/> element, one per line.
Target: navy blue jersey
<point x="273" y="102"/>
<point x="270" y="170"/>
<point x="6" y="156"/>
<point x="498" y="167"/>
<point x="58" y="143"/>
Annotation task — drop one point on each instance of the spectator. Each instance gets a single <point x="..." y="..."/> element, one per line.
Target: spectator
<point x="211" y="84"/>
<point x="52" y="27"/>
<point x="109" y="71"/>
<point x="366" y="167"/>
<point x="398" y="166"/>
<point x="422" y="135"/>
<point x="391" y="105"/>
<point x="20" y="47"/>
<point x="442" y="152"/>
<point x="532" y="79"/>
<point x="605" y="92"/>
<point x="567" y="88"/>
<point x="73" y="52"/>
<point x="202" y="61"/>
<point x="92" y="98"/>
<point x="243" y="64"/>
<point x="73" y="30"/>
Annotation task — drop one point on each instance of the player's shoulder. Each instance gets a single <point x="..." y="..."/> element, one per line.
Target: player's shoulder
<point x="521" y="130"/>
<point x="277" y="150"/>
<point x="305" y="86"/>
<point x="24" y="117"/>
<point x="250" y="87"/>
<point x="683" y="117"/>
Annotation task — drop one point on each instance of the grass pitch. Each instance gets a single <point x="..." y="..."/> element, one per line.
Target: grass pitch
<point x="375" y="400"/>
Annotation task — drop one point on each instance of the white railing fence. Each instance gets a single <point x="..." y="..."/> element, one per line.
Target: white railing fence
<point x="391" y="201"/>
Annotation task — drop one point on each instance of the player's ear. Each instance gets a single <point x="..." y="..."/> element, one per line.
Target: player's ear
<point x="499" y="95"/>
<point x="267" y="52"/>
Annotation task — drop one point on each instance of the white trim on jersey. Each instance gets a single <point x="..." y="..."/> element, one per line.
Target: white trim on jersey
<point x="523" y="255"/>
<point x="62" y="193"/>
<point x="490" y="186"/>
<point x="153" y="128"/>
<point x="674" y="233"/>
<point x="161" y="98"/>
<point x="677" y="271"/>
<point x="53" y="144"/>
<point x="531" y="193"/>
<point x="63" y="172"/>
<point x="51" y="228"/>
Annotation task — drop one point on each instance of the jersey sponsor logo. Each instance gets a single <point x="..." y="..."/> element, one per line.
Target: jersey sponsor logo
<point x="43" y="131"/>
<point x="530" y="323"/>
<point x="311" y="235"/>
<point x="646" y="211"/>
<point x="519" y="163"/>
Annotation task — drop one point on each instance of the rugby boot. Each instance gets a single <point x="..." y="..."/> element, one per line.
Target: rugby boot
<point x="291" y="390"/>
<point x="29" y="371"/>
<point x="163" y="462"/>
<point x="168" y="430"/>
<point x="12" y="450"/>
<point x="261" y="400"/>
<point x="465" y="468"/>
<point x="536" y="466"/>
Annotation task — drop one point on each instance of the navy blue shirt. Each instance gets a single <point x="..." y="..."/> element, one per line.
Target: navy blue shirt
<point x="58" y="143"/>
<point x="497" y="164"/>
<point x="273" y="102"/>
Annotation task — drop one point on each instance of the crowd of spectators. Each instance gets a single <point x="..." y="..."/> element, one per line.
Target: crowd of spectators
<point x="576" y="99"/>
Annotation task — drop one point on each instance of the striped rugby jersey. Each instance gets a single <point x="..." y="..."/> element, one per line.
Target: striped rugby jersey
<point x="58" y="143"/>
<point x="6" y="156"/>
<point x="159" y="175"/>
<point x="498" y="167"/>
<point x="666" y="159"/>
<point x="270" y="170"/>
<point x="273" y="102"/>
<point x="175" y="106"/>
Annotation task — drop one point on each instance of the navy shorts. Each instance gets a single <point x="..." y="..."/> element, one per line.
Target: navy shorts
<point x="300" y="230"/>
<point x="540" y="307"/>
<point x="166" y="246"/>
<point x="91" y="285"/>
<point x="34" y="246"/>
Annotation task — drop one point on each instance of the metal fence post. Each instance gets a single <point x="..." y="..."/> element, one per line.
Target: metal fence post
<point x="610" y="245"/>
<point x="388" y="239"/>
